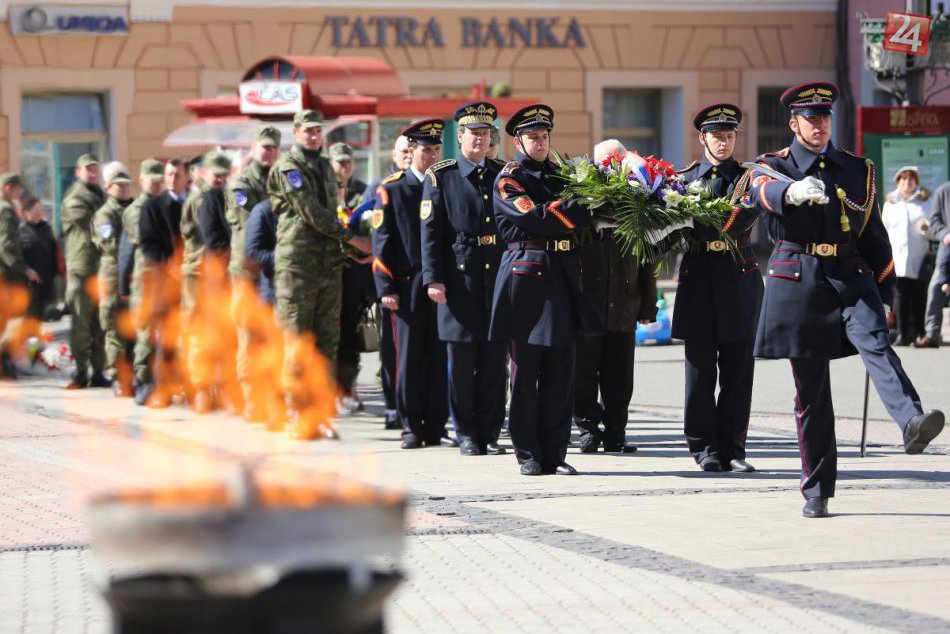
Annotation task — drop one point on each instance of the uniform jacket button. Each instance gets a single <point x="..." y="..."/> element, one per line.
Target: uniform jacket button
<point x="487" y="218"/>
<point x="485" y="196"/>
<point x="487" y="266"/>
<point x="771" y="272"/>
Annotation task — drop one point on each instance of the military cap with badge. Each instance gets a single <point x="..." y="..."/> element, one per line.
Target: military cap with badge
<point x="719" y="116"/>
<point x="534" y="117"/>
<point x="425" y="132"/>
<point x="813" y="99"/>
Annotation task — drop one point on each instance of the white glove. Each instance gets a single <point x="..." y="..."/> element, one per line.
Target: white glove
<point x="809" y="189"/>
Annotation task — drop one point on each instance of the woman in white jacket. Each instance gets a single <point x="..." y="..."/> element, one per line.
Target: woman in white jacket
<point x="905" y="217"/>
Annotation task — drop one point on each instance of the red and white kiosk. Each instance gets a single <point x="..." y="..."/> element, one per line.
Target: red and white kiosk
<point x="364" y="103"/>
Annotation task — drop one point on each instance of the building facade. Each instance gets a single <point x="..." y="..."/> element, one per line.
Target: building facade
<point x="110" y="77"/>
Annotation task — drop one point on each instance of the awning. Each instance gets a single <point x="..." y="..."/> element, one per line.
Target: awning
<point x="238" y="132"/>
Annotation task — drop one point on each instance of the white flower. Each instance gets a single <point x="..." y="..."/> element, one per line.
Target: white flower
<point x="635" y="184"/>
<point x="696" y="187"/>
<point x="671" y="198"/>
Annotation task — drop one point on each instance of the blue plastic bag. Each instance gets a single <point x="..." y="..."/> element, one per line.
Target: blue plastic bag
<point x="659" y="332"/>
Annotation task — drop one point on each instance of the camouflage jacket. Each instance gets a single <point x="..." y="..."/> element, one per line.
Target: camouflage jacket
<point x="107" y="222"/>
<point x="79" y="205"/>
<point x="190" y="232"/>
<point x="303" y="196"/>
<point x="12" y="264"/>
<point x="241" y="195"/>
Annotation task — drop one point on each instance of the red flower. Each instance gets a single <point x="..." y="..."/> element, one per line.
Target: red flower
<point x="659" y="166"/>
<point x="611" y="158"/>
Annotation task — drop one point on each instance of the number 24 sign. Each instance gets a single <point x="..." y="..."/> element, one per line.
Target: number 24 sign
<point x="907" y="33"/>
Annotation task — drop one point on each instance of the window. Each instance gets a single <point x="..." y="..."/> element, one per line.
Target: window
<point x="57" y="129"/>
<point x="632" y="116"/>
<point x="773" y="132"/>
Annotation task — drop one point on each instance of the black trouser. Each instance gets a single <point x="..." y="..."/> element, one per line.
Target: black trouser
<point x="542" y="399"/>
<point x="604" y="365"/>
<point x="477" y="390"/>
<point x="354" y="302"/>
<point x="814" y="413"/>
<point x="421" y="372"/>
<point x="910" y="307"/>
<point x="718" y="427"/>
<point x="387" y="357"/>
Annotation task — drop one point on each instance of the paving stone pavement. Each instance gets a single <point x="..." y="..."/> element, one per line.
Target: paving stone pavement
<point x="638" y="543"/>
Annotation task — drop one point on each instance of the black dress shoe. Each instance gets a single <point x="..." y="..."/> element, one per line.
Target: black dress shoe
<point x="565" y="469"/>
<point x="392" y="421"/>
<point x="740" y="466"/>
<point x="710" y="464"/>
<point x="494" y="449"/>
<point x="77" y="382"/>
<point x="589" y="444"/>
<point x="531" y="468"/>
<point x="624" y="447"/>
<point x="470" y="448"/>
<point x="921" y="429"/>
<point x="411" y="441"/>
<point x="98" y="380"/>
<point x="815" y="507"/>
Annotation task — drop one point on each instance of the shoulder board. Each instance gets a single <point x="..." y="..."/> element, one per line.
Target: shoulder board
<point x="849" y="153"/>
<point x="392" y="178"/>
<point x="442" y="164"/>
<point x="498" y="162"/>
<point x="783" y="153"/>
<point x="510" y="167"/>
<point x="688" y="167"/>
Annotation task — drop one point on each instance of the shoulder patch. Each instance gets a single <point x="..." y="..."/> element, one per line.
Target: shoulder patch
<point x="240" y="197"/>
<point x="105" y="230"/>
<point x="510" y="167"/>
<point x="392" y="178"/>
<point x="783" y="153"/>
<point x="688" y="167"/>
<point x="425" y="210"/>
<point x="523" y="204"/>
<point x="294" y="178"/>
<point x="377" y="218"/>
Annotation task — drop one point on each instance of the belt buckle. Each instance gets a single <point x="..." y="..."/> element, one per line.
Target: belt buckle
<point x="562" y="245"/>
<point x="824" y="249"/>
<point x="486" y="240"/>
<point x="716" y="245"/>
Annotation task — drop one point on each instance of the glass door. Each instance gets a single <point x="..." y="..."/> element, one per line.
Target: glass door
<point x="48" y="169"/>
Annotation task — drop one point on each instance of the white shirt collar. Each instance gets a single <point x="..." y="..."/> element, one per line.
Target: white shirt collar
<point x="419" y="175"/>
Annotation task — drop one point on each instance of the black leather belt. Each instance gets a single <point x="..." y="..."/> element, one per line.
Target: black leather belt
<point x="817" y="249"/>
<point x="543" y="245"/>
<point x="478" y="241"/>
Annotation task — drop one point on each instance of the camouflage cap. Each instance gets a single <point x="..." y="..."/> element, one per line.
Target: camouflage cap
<point x="308" y="119"/>
<point x="217" y="162"/>
<point x="86" y="160"/>
<point x="115" y="172"/>
<point x="10" y="178"/>
<point x="340" y="152"/>
<point x="268" y="135"/>
<point x="152" y="168"/>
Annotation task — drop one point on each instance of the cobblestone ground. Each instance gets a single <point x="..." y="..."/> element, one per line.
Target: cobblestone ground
<point x="637" y="543"/>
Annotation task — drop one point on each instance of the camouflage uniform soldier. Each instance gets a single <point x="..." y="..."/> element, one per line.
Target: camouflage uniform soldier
<point x="150" y="181"/>
<point x="242" y="194"/>
<point x="107" y="222"/>
<point x="82" y="200"/>
<point x="14" y="273"/>
<point x="308" y="257"/>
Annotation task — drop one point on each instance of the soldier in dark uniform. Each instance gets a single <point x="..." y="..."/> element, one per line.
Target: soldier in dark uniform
<point x="402" y="157"/>
<point x="538" y="306"/>
<point x="421" y="389"/>
<point x="717" y="304"/>
<point x="460" y="257"/>
<point x="830" y="280"/>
